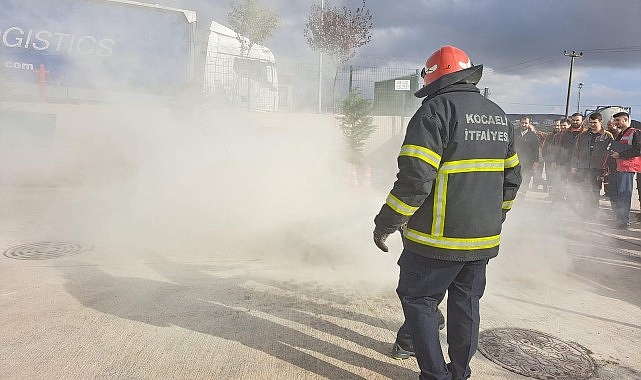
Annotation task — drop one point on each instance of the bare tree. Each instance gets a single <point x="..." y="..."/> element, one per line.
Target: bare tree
<point x="338" y="32"/>
<point x="252" y="23"/>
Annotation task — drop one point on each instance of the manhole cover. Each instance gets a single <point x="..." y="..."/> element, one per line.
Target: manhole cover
<point x="44" y="250"/>
<point x="535" y="354"/>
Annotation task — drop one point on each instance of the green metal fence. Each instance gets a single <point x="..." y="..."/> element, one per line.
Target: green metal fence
<point x="390" y="89"/>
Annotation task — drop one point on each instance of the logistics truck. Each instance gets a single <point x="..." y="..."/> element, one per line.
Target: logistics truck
<point x="120" y="50"/>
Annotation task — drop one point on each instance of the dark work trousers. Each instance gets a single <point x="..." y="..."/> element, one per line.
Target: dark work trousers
<point x="565" y="181"/>
<point x="527" y="172"/>
<point x="421" y="287"/>
<point x="589" y="181"/>
<point x="621" y="186"/>
<point x="403" y="337"/>
<point x="639" y="185"/>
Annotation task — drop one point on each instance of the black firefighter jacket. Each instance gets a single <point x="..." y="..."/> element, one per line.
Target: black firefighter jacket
<point x="458" y="174"/>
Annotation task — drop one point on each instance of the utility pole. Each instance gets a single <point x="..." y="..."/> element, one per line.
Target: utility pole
<point x="572" y="56"/>
<point x="320" y="65"/>
<point x="578" y="102"/>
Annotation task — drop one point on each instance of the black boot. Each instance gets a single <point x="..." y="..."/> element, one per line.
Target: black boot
<point x="400" y="353"/>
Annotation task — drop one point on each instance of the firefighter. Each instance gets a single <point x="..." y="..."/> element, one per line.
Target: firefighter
<point x="458" y="177"/>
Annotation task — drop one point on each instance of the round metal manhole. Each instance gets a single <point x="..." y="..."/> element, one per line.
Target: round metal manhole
<point x="44" y="250"/>
<point x="535" y="354"/>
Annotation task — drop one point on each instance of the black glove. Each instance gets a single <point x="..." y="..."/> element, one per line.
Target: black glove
<point x="379" y="240"/>
<point x="504" y="211"/>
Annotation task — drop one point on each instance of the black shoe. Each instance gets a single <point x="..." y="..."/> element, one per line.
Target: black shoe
<point x="399" y="353"/>
<point x="441" y="320"/>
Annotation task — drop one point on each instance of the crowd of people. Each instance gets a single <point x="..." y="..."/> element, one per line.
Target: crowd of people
<point x="579" y="159"/>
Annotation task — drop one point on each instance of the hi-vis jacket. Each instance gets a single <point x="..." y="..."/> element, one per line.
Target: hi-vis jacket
<point x="630" y="160"/>
<point x="458" y="174"/>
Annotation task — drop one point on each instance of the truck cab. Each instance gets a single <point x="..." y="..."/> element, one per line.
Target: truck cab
<point x="240" y="78"/>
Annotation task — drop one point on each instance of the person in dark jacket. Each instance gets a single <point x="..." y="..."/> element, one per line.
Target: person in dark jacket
<point x="458" y="177"/>
<point x="588" y="161"/>
<point x="526" y="143"/>
<point x="610" y="163"/>
<point x="563" y="154"/>
<point x="547" y="151"/>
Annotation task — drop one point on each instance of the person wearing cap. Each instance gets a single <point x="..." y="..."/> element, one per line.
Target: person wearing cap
<point x="628" y="162"/>
<point x="458" y="177"/>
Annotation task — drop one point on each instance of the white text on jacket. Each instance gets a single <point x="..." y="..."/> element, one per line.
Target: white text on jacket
<point x="474" y="118"/>
<point x="486" y="135"/>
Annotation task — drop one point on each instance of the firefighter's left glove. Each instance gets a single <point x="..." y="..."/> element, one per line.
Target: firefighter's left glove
<point x="379" y="240"/>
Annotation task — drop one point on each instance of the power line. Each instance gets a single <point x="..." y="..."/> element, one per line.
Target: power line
<point x="614" y="50"/>
<point x="529" y="104"/>
<point x="524" y="64"/>
<point x="527" y="63"/>
<point x="540" y="60"/>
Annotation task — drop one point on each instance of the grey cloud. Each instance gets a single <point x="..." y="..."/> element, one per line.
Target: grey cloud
<point x="518" y="36"/>
<point x="515" y="37"/>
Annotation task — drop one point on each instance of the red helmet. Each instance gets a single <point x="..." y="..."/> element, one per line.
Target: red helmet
<point x="445" y="60"/>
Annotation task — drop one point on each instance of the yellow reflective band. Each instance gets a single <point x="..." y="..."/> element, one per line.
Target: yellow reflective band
<point x="476" y="165"/>
<point x="400" y="206"/>
<point x="452" y="243"/>
<point x="440" y="188"/>
<point x="507" y="205"/>
<point x="511" y="162"/>
<point x="438" y="212"/>
<point x="422" y="153"/>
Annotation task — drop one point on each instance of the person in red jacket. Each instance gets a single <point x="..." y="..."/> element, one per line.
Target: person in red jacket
<point x="458" y="177"/>
<point x="628" y="158"/>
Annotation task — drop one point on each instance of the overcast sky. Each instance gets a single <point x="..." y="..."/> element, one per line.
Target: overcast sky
<point x="520" y="43"/>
